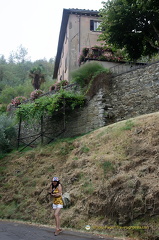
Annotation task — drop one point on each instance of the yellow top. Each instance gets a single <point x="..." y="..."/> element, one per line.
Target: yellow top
<point x="57" y="200"/>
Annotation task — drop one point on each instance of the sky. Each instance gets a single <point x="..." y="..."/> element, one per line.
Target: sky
<point x="35" y="24"/>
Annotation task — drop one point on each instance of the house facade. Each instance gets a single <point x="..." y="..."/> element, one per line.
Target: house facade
<point x="79" y="29"/>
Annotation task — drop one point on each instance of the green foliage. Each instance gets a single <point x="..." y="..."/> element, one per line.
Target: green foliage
<point x="14" y="77"/>
<point x="2" y="109"/>
<point x="131" y="24"/>
<point x="6" y="211"/>
<point x="18" y="100"/>
<point x="86" y="72"/>
<point x="107" y="167"/>
<point x="66" y="149"/>
<point x="47" y="84"/>
<point x="13" y="74"/>
<point x="104" y="53"/>
<point x="35" y="94"/>
<point x="7" y="134"/>
<point x="84" y="149"/>
<point x="19" y="56"/>
<point x="50" y="105"/>
<point x="128" y="125"/>
<point x="59" y="85"/>
<point x="37" y="75"/>
<point x="88" y="187"/>
<point x="9" y="92"/>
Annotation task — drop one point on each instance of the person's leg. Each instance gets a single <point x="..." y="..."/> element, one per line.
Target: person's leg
<point x="57" y="218"/>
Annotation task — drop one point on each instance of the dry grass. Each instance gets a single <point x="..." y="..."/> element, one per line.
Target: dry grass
<point x="111" y="173"/>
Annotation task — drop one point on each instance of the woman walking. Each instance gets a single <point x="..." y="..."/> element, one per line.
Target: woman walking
<point x="56" y="192"/>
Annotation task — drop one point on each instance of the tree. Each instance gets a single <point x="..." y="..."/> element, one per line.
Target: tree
<point x="14" y="78"/>
<point x="2" y="66"/>
<point x="7" y="134"/>
<point x="2" y="59"/>
<point x="19" y="56"/>
<point x="133" y="25"/>
<point x="37" y="76"/>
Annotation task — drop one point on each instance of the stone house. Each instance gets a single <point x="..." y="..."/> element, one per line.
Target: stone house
<point x="79" y="29"/>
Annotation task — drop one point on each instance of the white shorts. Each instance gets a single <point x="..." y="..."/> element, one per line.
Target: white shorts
<point x="55" y="206"/>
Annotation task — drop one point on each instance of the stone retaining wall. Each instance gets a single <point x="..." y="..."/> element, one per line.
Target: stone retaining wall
<point x="128" y="95"/>
<point x="135" y="93"/>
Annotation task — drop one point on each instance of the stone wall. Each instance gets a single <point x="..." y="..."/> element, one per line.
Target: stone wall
<point x="80" y="121"/>
<point x="125" y="96"/>
<point x="135" y="93"/>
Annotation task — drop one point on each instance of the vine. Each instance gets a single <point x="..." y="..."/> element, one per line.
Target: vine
<point x="50" y="105"/>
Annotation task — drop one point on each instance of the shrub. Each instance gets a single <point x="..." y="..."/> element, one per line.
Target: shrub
<point x="106" y="53"/>
<point x="15" y="102"/>
<point x="57" y="86"/>
<point x="35" y="94"/>
<point x="2" y="109"/>
<point x="107" y="167"/>
<point x="52" y="88"/>
<point x="64" y="83"/>
<point x="84" y="74"/>
<point x="128" y="125"/>
<point x="9" y="107"/>
<point x="9" y="93"/>
<point x="7" y="134"/>
<point x="85" y="51"/>
<point x="50" y="105"/>
<point x="18" y="100"/>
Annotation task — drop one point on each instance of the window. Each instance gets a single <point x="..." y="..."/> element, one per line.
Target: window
<point x="95" y="25"/>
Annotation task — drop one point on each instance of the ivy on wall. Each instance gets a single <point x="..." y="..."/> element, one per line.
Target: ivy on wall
<point x="63" y="100"/>
<point x="50" y="105"/>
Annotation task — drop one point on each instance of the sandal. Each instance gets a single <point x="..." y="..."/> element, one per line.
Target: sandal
<point x="57" y="232"/>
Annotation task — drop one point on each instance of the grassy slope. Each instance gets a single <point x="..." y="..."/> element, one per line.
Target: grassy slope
<point x="111" y="173"/>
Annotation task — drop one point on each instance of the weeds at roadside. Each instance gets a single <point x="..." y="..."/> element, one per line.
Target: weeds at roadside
<point x="7" y="210"/>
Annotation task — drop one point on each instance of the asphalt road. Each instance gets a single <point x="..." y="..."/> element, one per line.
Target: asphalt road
<point x="20" y="231"/>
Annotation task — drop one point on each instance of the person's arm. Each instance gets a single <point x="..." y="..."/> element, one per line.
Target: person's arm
<point x="50" y="192"/>
<point x="59" y="193"/>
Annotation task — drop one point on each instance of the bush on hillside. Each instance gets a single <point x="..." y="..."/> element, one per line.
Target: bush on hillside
<point x="35" y="94"/>
<point x="86" y="72"/>
<point x="58" y="85"/>
<point x="9" y="92"/>
<point x="7" y="134"/>
<point x="15" y="102"/>
<point x="18" y="100"/>
<point x="3" y="108"/>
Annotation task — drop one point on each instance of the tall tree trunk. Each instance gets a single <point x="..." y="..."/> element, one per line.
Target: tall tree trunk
<point x="36" y="81"/>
